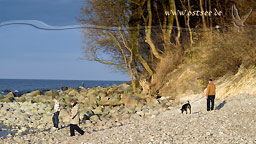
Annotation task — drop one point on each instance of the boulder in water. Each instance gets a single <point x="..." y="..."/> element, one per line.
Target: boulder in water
<point x="64" y="88"/>
<point x="6" y="91"/>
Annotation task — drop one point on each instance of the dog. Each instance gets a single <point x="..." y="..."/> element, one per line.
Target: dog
<point x="185" y="107"/>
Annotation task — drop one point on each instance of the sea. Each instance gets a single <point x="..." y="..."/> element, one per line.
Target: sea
<point x="22" y="86"/>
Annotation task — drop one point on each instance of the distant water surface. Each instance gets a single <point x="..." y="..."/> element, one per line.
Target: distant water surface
<point x="26" y="85"/>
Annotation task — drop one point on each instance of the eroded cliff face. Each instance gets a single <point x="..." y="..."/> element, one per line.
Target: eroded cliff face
<point x="184" y="83"/>
<point x="243" y="82"/>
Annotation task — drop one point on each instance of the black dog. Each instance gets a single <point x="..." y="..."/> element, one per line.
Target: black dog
<point x="185" y="107"/>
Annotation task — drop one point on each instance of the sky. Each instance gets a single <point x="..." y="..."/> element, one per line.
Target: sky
<point x="30" y="53"/>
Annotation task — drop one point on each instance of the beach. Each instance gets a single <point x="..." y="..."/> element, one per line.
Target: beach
<point x="233" y="121"/>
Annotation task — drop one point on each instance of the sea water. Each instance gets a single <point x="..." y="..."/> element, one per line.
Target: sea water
<point x="27" y="85"/>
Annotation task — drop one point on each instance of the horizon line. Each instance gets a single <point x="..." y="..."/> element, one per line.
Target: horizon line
<point x="58" y="79"/>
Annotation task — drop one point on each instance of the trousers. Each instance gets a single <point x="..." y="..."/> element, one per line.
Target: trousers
<point x="55" y="119"/>
<point x="210" y="102"/>
<point x="74" y="127"/>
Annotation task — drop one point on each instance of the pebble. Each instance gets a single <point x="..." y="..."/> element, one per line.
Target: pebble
<point x="233" y="123"/>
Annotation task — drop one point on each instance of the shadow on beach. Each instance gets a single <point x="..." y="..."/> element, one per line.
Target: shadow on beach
<point x="221" y="105"/>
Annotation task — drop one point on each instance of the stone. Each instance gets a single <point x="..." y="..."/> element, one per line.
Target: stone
<point x="64" y="88"/>
<point x="130" y="100"/>
<point x="8" y="99"/>
<point x="88" y="123"/>
<point x="97" y="110"/>
<point x="52" y="93"/>
<point x="126" y="88"/>
<point x="47" y="119"/>
<point x="94" y="119"/>
<point x="2" y="97"/>
<point x="34" y="93"/>
<point x="92" y="99"/>
<point x="71" y="89"/>
<point x="64" y="116"/>
<point x="140" y="113"/>
<point x="20" y="99"/>
<point x="7" y="91"/>
<point x="73" y="92"/>
<point x="135" y="117"/>
<point x="11" y="94"/>
<point x="83" y="93"/>
<point x="102" y="95"/>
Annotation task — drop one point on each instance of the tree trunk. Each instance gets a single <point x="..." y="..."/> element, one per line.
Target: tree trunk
<point x="148" y="32"/>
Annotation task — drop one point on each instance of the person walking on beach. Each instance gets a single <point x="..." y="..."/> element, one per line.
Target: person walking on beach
<point x="210" y="95"/>
<point x="55" y="117"/>
<point x="74" y="118"/>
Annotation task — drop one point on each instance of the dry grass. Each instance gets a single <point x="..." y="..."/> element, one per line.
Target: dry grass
<point x="211" y="57"/>
<point x="228" y="51"/>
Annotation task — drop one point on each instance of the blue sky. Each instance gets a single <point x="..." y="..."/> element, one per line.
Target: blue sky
<point x="30" y="53"/>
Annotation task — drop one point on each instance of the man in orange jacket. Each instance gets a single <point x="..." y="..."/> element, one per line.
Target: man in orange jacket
<point x="210" y="95"/>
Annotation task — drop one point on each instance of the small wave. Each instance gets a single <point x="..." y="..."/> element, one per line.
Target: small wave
<point x="16" y="91"/>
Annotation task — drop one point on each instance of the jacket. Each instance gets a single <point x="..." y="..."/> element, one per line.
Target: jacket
<point x="56" y="107"/>
<point x="211" y="89"/>
<point x="75" y="114"/>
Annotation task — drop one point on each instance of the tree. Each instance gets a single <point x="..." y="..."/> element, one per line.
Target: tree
<point x="138" y="37"/>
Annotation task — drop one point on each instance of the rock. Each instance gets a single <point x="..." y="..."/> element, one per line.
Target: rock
<point x="8" y="99"/>
<point x="81" y="98"/>
<point x="152" y="101"/>
<point x="94" y="119"/>
<point x="135" y="117"/>
<point x="52" y="93"/>
<point x="20" y="99"/>
<point x="6" y="91"/>
<point x="70" y="89"/>
<point x="64" y="88"/>
<point x="126" y="88"/>
<point x="83" y="92"/>
<point x="73" y="92"/>
<point x="11" y="94"/>
<point x="97" y="110"/>
<point x="140" y="113"/>
<point x="130" y="100"/>
<point x="34" y="93"/>
<point x="102" y="122"/>
<point x="64" y="116"/>
<point x="44" y="91"/>
<point x="92" y="99"/>
<point x="102" y="96"/>
<point x="88" y="123"/>
<point x="47" y="119"/>
<point x="1" y="97"/>
<point x="116" y="118"/>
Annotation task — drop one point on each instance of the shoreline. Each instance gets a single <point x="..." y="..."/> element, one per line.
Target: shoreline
<point x="32" y="111"/>
<point x="23" y="86"/>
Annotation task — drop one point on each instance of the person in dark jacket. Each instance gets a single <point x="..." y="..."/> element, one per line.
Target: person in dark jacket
<point x="74" y="118"/>
<point x="210" y="95"/>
